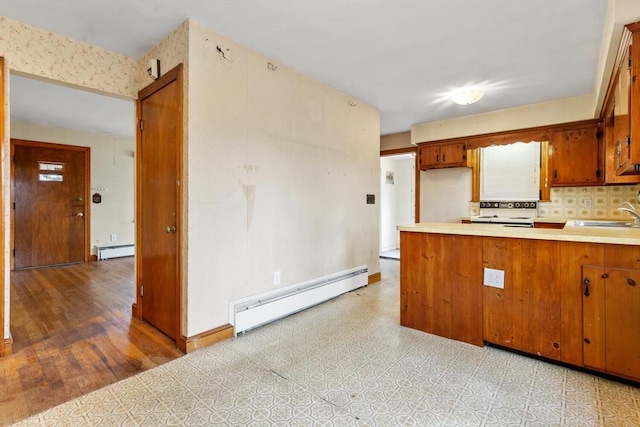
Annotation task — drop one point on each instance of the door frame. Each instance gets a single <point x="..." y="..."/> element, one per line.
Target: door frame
<point x="169" y="77"/>
<point x="87" y="190"/>
<point x="5" y="342"/>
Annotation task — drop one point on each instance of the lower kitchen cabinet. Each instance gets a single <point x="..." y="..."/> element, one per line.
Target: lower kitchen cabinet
<point x="574" y="302"/>
<point x="526" y="314"/>
<point x="441" y="291"/>
<point x="611" y="331"/>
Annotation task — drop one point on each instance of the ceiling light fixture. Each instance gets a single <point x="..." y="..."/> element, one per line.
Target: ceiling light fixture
<point x="467" y="96"/>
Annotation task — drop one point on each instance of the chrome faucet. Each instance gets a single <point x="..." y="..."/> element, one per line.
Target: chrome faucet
<point x="628" y="207"/>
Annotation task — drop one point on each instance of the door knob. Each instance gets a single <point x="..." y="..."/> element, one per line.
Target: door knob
<point x="80" y="214"/>
<point x="170" y="229"/>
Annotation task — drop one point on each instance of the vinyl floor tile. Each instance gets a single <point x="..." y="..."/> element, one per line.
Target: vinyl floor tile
<point x="348" y="362"/>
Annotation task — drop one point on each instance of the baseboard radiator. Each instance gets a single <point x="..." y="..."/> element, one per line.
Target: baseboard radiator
<point x="257" y="310"/>
<point x="115" y="251"/>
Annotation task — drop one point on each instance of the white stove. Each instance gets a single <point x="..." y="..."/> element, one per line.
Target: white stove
<point x="507" y="213"/>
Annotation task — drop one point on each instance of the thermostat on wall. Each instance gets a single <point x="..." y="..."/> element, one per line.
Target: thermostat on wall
<point x="154" y="68"/>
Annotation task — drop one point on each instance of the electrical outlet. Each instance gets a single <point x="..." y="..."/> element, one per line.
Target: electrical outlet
<point x="276" y="277"/>
<point x="114" y="237"/>
<point x="494" y="278"/>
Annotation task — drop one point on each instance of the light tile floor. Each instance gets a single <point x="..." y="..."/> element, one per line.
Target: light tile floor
<point x="349" y="362"/>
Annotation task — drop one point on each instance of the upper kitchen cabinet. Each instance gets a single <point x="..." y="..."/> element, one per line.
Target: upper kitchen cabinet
<point x="621" y="115"/>
<point x="575" y="156"/>
<point x="433" y="156"/>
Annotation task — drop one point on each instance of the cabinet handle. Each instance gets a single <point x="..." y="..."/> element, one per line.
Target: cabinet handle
<point x="586" y="286"/>
<point x="443" y="158"/>
<point x="555" y="174"/>
<point x="631" y="282"/>
<point x="437" y="158"/>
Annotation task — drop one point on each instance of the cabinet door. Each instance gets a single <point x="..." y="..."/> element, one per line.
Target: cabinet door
<point x="429" y="156"/>
<point x="621" y="113"/>
<point x="622" y="322"/>
<point x="453" y="155"/>
<point x="593" y="314"/>
<point x="573" y="256"/>
<point x="574" y="157"/>
<point x="611" y="324"/>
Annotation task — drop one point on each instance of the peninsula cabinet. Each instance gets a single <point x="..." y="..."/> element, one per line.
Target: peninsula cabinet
<point x="573" y="302"/>
<point x="452" y="306"/>
<point x="575" y="157"/>
<point x="434" y="156"/>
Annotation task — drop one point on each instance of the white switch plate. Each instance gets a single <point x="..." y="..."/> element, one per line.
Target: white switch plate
<point x="114" y="237"/>
<point x="276" y="277"/>
<point x="494" y="278"/>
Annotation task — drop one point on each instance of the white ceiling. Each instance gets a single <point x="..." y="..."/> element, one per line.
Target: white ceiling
<point x="401" y="56"/>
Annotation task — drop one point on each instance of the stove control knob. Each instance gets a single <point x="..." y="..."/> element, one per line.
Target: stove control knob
<point x="517" y="204"/>
<point x="509" y="205"/>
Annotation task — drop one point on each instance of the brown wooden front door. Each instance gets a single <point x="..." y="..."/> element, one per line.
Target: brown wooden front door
<point x="49" y="194"/>
<point x="158" y="212"/>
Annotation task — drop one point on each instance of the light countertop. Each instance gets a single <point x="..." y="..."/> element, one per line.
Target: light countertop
<point x="570" y="232"/>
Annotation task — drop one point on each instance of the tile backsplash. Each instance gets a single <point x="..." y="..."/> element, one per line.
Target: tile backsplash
<point x="589" y="202"/>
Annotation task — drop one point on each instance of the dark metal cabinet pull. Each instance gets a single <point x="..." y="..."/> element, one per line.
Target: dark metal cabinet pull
<point x="586" y="286"/>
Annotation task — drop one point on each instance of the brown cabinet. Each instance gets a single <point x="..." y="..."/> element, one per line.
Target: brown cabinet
<point x="575" y="156"/>
<point x="525" y="315"/>
<point x="611" y="307"/>
<point x="544" y="308"/>
<point x="441" y="291"/>
<point x="621" y="115"/>
<point x="433" y="156"/>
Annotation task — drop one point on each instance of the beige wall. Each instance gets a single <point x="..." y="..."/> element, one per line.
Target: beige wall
<point x="560" y="111"/>
<point x="279" y="169"/>
<point x="395" y="141"/>
<point x="112" y="175"/>
<point x="43" y="54"/>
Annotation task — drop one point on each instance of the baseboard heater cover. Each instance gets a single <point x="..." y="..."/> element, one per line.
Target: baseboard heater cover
<point x="251" y="312"/>
<point x="115" y="251"/>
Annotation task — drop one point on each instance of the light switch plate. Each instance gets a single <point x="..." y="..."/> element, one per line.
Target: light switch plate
<point x="494" y="278"/>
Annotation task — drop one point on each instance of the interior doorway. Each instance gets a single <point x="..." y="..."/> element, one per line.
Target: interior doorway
<point x="101" y="128"/>
<point x="397" y="200"/>
<point x="48" y="194"/>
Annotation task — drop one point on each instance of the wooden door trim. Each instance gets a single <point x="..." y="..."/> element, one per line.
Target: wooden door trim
<point x="175" y="74"/>
<point x="5" y="344"/>
<point x="87" y="190"/>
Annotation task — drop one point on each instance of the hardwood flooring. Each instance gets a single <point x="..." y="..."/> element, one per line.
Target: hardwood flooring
<point x="73" y="333"/>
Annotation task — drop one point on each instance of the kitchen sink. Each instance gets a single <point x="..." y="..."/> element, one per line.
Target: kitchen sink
<point x="602" y="224"/>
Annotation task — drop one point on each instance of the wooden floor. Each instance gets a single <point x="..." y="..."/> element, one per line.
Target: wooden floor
<point x="73" y="333"/>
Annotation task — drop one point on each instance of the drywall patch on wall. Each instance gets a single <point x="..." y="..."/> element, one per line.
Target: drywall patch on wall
<point x="48" y="55"/>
